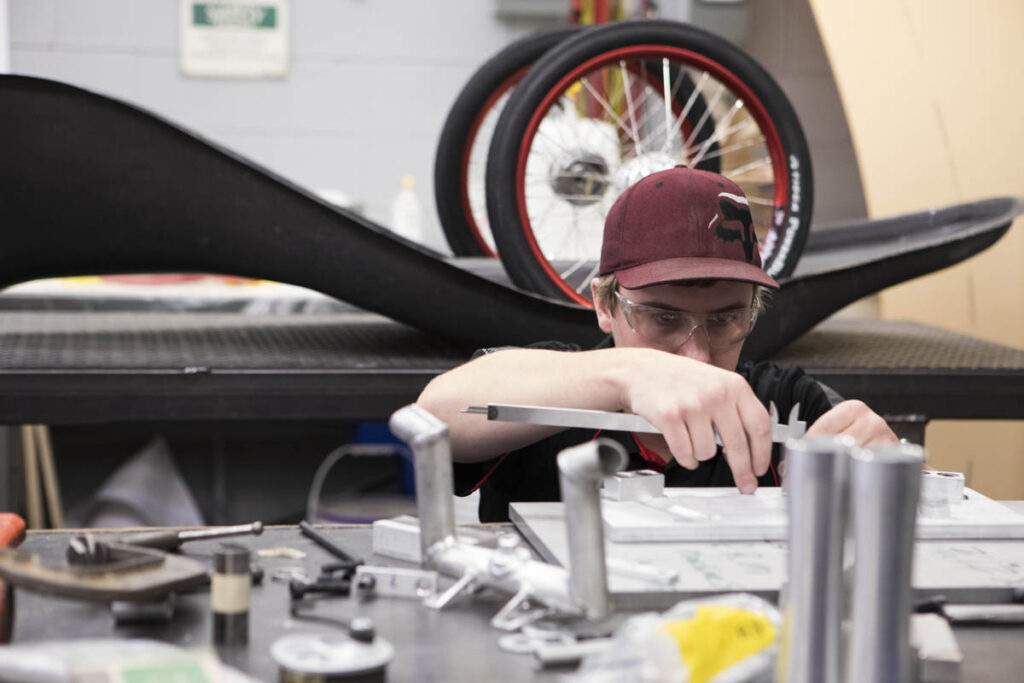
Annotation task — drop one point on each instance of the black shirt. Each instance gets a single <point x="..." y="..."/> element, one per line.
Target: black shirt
<point x="531" y="473"/>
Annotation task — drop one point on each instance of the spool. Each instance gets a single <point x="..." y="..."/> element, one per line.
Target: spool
<point x="330" y="657"/>
<point x="229" y="594"/>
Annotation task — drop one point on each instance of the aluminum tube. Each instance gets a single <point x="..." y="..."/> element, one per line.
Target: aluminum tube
<point x="885" y="484"/>
<point x="817" y="482"/>
<point x="580" y="471"/>
<point x="427" y="436"/>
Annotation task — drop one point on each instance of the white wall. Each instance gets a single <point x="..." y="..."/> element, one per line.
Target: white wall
<point x="371" y="82"/>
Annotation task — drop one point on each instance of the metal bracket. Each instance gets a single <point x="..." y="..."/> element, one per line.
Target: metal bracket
<point x="465" y="585"/>
<point x="519" y="612"/>
<point x="396" y="582"/>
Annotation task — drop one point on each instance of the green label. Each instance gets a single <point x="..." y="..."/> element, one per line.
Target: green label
<point x="189" y="672"/>
<point x="232" y="15"/>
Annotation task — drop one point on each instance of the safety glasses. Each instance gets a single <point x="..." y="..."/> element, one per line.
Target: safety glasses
<point x="668" y="329"/>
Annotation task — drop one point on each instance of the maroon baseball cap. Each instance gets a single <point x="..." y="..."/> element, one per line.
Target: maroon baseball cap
<point x="681" y="224"/>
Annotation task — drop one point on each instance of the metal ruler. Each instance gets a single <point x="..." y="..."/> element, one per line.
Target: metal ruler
<point x="619" y="422"/>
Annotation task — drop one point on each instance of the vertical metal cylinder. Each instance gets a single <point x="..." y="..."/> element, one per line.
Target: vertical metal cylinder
<point x="817" y="476"/>
<point x="229" y="595"/>
<point x="885" y="485"/>
<point x="580" y="471"/>
<point x="427" y="436"/>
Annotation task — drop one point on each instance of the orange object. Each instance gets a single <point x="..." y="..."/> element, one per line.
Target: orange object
<point x="12" y="529"/>
<point x="12" y="532"/>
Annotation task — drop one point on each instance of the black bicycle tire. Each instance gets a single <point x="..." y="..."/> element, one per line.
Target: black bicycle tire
<point x="459" y="130"/>
<point x="524" y="266"/>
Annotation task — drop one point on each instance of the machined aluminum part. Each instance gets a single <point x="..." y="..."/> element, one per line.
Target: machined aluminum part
<point x="885" y="484"/>
<point x="940" y="492"/>
<point x="580" y="472"/>
<point x="427" y="436"/>
<point x="817" y="483"/>
<point x="634" y="485"/>
<point x="538" y="588"/>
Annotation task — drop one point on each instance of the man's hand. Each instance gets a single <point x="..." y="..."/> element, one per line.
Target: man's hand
<point x="854" y="418"/>
<point x="683" y="398"/>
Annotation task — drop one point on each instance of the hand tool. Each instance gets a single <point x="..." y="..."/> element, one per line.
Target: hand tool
<point x="299" y="588"/>
<point x="621" y="422"/>
<point x="172" y="540"/>
<point x="334" y="549"/>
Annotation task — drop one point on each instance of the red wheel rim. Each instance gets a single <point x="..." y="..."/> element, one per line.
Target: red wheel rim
<point x="474" y="128"/>
<point x="687" y="58"/>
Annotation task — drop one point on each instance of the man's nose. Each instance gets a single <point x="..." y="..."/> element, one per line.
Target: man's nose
<point x="697" y="347"/>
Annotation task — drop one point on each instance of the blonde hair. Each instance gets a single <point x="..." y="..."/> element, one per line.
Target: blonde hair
<point x="607" y="285"/>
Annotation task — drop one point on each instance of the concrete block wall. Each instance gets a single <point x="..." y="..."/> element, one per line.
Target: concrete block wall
<point x="371" y="81"/>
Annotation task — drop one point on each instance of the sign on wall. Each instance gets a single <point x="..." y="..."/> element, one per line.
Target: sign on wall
<point x="234" y="38"/>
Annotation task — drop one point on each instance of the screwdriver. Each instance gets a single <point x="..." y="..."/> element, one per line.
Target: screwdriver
<point x="172" y="540"/>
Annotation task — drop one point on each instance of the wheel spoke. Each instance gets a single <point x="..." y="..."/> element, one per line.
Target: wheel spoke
<point x="721" y="151"/>
<point x="724" y="123"/>
<point x="709" y="107"/>
<point x="747" y="168"/>
<point x="607" y="107"/>
<point x="627" y="88"/>
<point x="585" y="283"/>
<point x="668" y="101"/>
<point x="698" y="90"/>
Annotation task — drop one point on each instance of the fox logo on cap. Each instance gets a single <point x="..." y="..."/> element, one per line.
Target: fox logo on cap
<point x="735" y="224"/>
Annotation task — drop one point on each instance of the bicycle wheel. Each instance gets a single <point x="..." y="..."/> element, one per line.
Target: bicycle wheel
<point x="617" y="103"/>
<point x="462" y="148"/>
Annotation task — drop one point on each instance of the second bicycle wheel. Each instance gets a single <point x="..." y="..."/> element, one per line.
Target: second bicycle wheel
<point x="617" y="103"/>
<point x="462" y="147"/>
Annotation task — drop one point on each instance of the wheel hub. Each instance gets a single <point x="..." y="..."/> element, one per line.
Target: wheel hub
<point x="581" y="178"/>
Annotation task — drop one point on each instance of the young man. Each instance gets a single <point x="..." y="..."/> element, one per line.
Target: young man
<point x="679" y="290"/>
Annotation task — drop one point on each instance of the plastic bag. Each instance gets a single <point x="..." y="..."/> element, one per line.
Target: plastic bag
<point x="723" y="639"/>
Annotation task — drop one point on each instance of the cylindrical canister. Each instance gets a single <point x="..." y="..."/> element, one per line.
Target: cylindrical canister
<point x="885" y="484"/>
<point x="230" y="586"/>
<point x="817" y="477"/>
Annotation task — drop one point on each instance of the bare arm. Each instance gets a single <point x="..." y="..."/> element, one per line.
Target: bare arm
<point x="679" y="396"/>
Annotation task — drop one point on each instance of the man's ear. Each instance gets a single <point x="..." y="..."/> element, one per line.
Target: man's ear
<point x="604" y="316"/>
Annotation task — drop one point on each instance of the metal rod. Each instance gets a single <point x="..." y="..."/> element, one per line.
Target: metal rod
<point x="427" y="436"/>
<point x="346" y="556"/>
<point x="885" y="485"/>
<point x="580" y="471"/>
<point x="817" y="476"/>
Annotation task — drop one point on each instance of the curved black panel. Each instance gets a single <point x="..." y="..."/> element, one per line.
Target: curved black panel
<point x="844" y="264"/>
<point x="91" y="185"/>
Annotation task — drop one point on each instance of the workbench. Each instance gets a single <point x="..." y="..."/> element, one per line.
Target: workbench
<point x="78" y="367"/>
<point x="454" y="645"/>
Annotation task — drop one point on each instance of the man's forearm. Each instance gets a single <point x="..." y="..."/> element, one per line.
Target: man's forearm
<point x="587" y="379"/>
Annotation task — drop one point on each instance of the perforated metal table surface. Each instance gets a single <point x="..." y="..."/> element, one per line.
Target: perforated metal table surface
<point x="84" y="367"/>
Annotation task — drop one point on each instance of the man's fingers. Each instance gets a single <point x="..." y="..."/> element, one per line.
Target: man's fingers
<point x="758" y="425"/>
<point x="835" y="421"/>
<point x="855" y="419"/>
<point x="702" y="436"/>
<point x="736" y="449"/>
<point x="680" y="444"/>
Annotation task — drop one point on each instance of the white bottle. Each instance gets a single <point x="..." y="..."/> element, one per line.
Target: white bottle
<point x="406" y="213"/>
